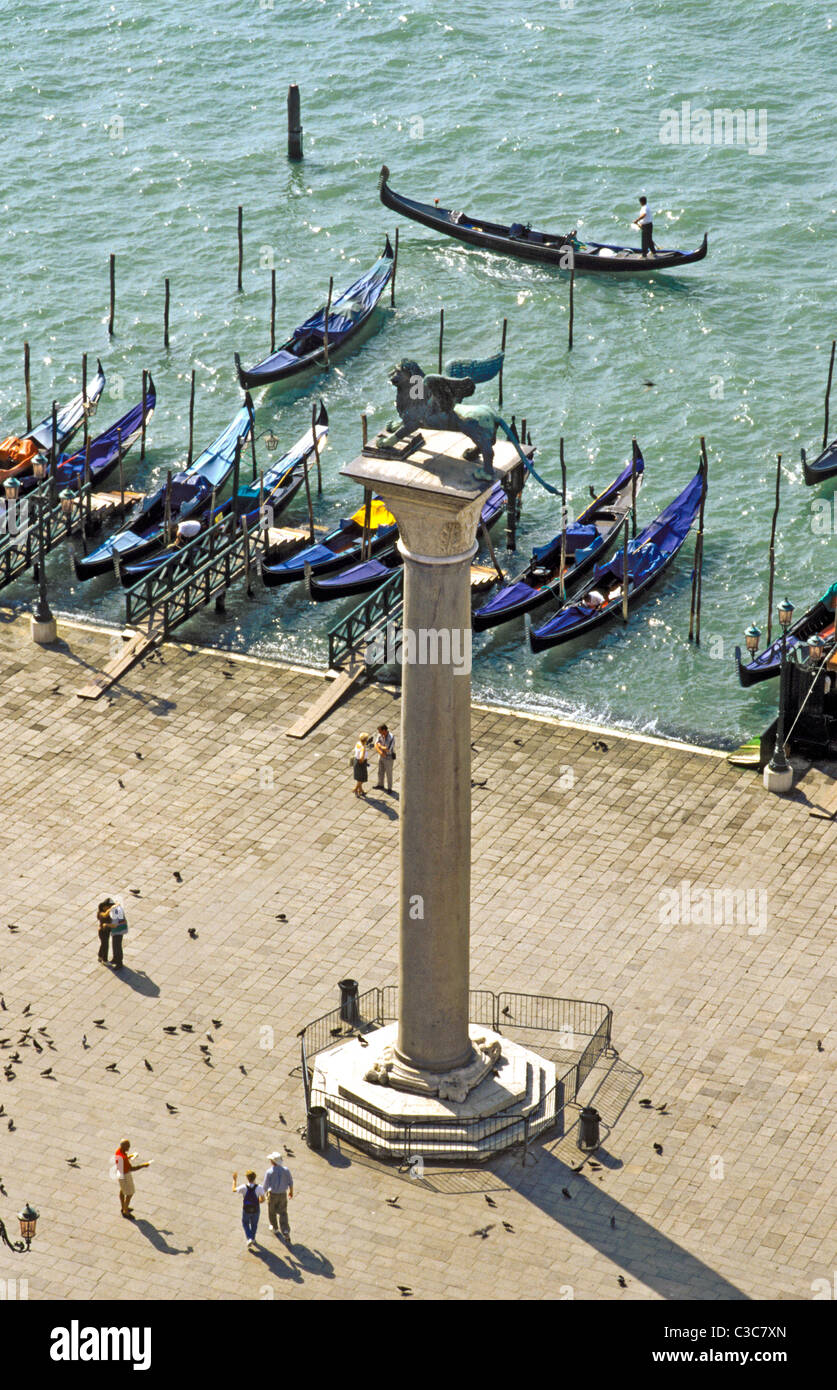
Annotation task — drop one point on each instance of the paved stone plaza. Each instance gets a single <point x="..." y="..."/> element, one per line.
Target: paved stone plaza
<point x="574" y="848"/>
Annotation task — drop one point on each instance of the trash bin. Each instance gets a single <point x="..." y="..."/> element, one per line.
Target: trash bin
<point x="588" y="1130"/>
<point x="317" y="1128"/>
<point x="349" y="1011"/>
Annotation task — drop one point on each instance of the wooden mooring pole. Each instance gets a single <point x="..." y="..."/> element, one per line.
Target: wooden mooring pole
<point x="121" y="469"/>
<point x="236" y="478"/>
<point x="112" y="294"/>
<point x="441" y="337"/>
<point x="28" y="387"/>
<point x="240" y="247"/>
<point x="367" y="517"/>
<point x="273" y="311"/>
<point x="325" y="320"/>
<point x="563" y="516"/>
<point x="772" y="554"/>
<point x="191" y="418"/>
<point x="167" y="510"/>
<point x="142" y="428"/>
<point x="294" y="123"/>
<point x="572" y="310"/>
<point x="166" y="316"/>
<point x="500" y="378"/>
<point x="394" y="269"/>
<point x="828" y="393"/>
<point x="316" y="448"/>
<point x="490" y="544"/>
<point x="308" y="496"/>
<point x="84" y="398"/>
<point x="625" y="573"/>
<point x="697" y="569"/>
<point x="364" y="430"/>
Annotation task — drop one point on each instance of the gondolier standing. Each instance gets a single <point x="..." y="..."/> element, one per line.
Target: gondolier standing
<point x="385" y="748"/>
<point x="645" y="223"/>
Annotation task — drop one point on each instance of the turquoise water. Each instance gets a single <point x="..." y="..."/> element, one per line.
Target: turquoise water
<point x="140" y="132"/>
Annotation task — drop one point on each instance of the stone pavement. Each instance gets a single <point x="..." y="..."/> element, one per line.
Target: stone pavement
<point x="574" y="848"/>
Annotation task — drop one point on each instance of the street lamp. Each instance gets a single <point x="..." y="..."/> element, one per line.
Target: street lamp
<point x="751" y="637"/>
<point x="28" y="1219"/>
<point x="778" y="775"/>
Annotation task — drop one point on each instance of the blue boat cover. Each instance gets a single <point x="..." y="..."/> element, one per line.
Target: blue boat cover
<point x="104" y="449"/>
<point x="354" y="304"/>
<point x="69" y="417"/>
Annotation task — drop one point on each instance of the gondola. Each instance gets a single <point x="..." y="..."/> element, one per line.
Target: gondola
<point x="340" y="548"/>
<point x="190" y="490"/>
<point x="278" y="487"/>
<point x="304" y="349"/>
<point x="649" y="556"/>
<point x="587" y="540"/>
<point x="817" y="622"/>
<point x="526" y="244"/>
<point x="368" y="574"/>
<point x="105" y="449"/>
<point x="823" y="466"/>
<point x="68" y="418"/>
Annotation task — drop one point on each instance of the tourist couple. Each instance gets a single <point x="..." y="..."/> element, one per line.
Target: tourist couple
<point x="384" y="745"/>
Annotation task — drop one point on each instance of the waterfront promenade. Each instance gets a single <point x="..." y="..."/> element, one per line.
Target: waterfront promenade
<point x="580" y="857"/>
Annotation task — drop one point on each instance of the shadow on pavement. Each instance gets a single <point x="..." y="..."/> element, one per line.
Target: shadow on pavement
<point x="158" y="1238"/>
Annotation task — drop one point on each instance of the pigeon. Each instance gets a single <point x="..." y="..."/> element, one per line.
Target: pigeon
<point x="99" y="1022"/>
<point x="12" y="1126"/>
<point x="391" y="1201"/>
<point x="27" y="1010"/>
<point x="479" y="784"/>
<point x="135" y="892"/>
<point x="646" y="1104"/>
<point x="228" y="675"/>
<point x="506" y="1011"/>
<point x="482" y="1232"/>
<point x="648" y="383"/>
<point x="13" y="928"/>
<point x="362" y="1041"/>
<point x="216" y="1023"/>
<point x="172" y="1109"/>
<point x="518" y="742"/>
<point x="404" y="1290"/>
<point x="15" y="1057"/>
<point x="613" y="1223"/>
<point x="242" y="1069"/>
<point x="121" y="783"/>
<point x="662" y="1108"/>
<point x="658" y="1148"/>
<point x="187" y="1028"/>
<point x="289" y="1152"/>
<point x="73" y="1163"/>
<point x="111" y="1067"/>
<point x="2" y="1109"/>
<point x="623" y="1283"/>
<point x="43" y="1031"/>
<point x="37" y="1045"/>
<point x="204" y="1047"/>
<point x="47" y="1072"/>
<point x="820" y="1047"/>
<point x="489" y="1200"/>
<point x="2" y="1188"/>
<point x="208" y="1061"/>
<point x="2" y="1003"/>
<point x="282" y="1119"/>
<point x="177" y="876"/>
<point x="507" y="1226"/>
<point x="85" y="1044"/>
<point x="336" y="1032"/>
<point x="170" y="1030"/>
<point x="595" y="1166"/>
<point x="193" y="933"/>
<point x="474" y="748"/>
<point x="281" y="917"/>
<point x="600" y="745"/>
<point x="148" y="1066"/>
<point x="565" y="1193"/>
<point x="51" y="1046"/>
<point x="138" y="755"/>
<point x="210" y="1037"/>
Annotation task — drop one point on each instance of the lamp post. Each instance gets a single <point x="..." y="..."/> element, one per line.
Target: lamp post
<point x="43" y="624"/>
<point x="778" y="775"/>
<point x="751" y="637"/>
<point x="28" y="1219"/>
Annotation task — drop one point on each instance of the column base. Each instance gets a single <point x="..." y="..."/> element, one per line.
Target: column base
<point x="780" y="782"/>
<point x="44" y="633"/>
<point x="390" y="1069"/>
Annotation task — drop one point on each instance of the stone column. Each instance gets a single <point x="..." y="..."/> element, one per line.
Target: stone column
<point x="437" y="502"/>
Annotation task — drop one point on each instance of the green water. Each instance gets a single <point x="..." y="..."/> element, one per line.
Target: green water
<point x="133" y="131"/>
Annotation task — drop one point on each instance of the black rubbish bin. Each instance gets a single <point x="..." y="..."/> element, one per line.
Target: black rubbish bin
<point x="588" y="1130"/>
<point x="317" y="1128"/>
<point x="349" y="1011"/>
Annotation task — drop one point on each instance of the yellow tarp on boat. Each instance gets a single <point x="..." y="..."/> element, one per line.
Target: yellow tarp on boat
<point x="378" y="515"/>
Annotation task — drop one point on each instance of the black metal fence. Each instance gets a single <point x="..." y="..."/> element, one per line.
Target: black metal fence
<point x="200" y="570"/>
<point x="382" y="1135"/>
<point x="19" y="534"/>
<point x="353" y="631"/>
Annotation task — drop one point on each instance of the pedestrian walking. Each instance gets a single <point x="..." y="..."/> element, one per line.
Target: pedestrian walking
<point x="279" y="1186"/>
<point x="360" y="763"/>
<point x="118" y="928"/>
<point x="103" y="919"/>
<point x="125" y="1169"/>
<point x="385" y="748"/>
<point x="253" y="1195"/>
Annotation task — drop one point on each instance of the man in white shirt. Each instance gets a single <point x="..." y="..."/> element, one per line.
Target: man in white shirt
<point x="645" y="223"/>
<point x="278" y="1186"/>
<point x="187" y="530"/>
<point x="385" y="748"/>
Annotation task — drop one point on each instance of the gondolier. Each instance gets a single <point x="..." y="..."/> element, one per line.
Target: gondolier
<point x="645" y="223"/>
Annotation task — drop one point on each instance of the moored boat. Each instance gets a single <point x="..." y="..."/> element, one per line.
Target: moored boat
<point x="105" y="449"/>
<point x="649" y="556"/>
<point x="305" y="347"/>
<point x="524" y="243"/>
<point x="340" y="548"/>
<point x="822" y="467"/>
<point x="817" y="622"/>
<point x="587" y="540"/>
<point x="190" y="490"/>
<point x="39" y="440"/>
